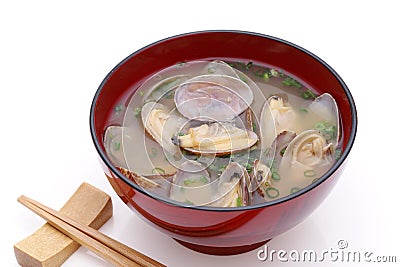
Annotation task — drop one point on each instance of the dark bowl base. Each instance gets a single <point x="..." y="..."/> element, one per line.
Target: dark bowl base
<point x="221" y="251"/>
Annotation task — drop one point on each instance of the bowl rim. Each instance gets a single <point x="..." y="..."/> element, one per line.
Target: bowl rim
<point x="338" y="163"/>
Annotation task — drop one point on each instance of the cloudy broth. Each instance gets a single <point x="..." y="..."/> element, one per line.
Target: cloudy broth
<point x="131" y="146"/>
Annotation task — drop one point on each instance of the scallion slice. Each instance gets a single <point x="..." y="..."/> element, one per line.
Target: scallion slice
<point x="272" y="192"/>
<point x="310" y="173"/>
<point x="158" y="170"/>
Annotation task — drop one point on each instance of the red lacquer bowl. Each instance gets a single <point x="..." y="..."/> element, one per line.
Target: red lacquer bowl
<point x="222" y="231"/>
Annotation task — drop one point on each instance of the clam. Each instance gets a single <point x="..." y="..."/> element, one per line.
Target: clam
<point x="144" y="182"/>
<point x="113" y="145"/>
<point x="232" y="188"/>
<point x="216" y="138"/>
<point x="326" y="108"/>
<point x="156" y="183"/>
<point x="128" y="148"/>
<point x="277" y="115"/>
<point x="261" y="178"/>
<point x="263" y="174"/>
<point x="191" y="184"/>
<point x="213" y="97"/>
<point x="161" y="123"/>
<point x="306" y="158"/>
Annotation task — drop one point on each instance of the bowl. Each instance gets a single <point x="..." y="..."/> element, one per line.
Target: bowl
<point x="212" y="230"/>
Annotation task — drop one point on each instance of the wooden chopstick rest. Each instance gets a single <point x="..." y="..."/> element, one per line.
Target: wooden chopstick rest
<point x="47" y="247"/>
<point x="102" y="245"/>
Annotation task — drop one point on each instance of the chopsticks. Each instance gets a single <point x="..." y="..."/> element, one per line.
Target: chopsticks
<point x="102" y="245"/>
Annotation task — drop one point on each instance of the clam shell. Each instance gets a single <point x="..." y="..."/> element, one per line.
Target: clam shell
<point x="232" y="188"/>
<point x="216" y="139"/>
<point x="261" y="178"/>
<point x="213" y="97"/>
<point x="139" y="179"/>
<point x="276" y="117"/>
<point x="308" y="153"/>
<point x="191" y="184"/>
<point x="113" y="145"/>
<point x="163" y="125"/>
<point x="326" y="108"/>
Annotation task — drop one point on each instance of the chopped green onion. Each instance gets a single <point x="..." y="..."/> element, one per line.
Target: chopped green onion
<point x="337" y="154"/>
<point x="329" y="131"/>
<point x="274" y="73"/>
<point x="283" y="151"/>
<point x="310" y="173"/>
<point x="211" y="70"/>
<point x="249" y="167"/>
<point x="117" y="146"/>
<point x="308" y="94"/>
<point x="275" y="176"/>
<point x="254" y="126"/>
<point x="291" y="82"/>
<point x="213" y="167"/>
<point x="239" y="202"/>
<point x="118" y="108"/>
<point x="222" y="168"/>
<point x="189" y="202"/>
<point x="153" y="152"/>
<point x="320" y="126"/>
<point x="248" y="65"/>
<point x="158" y="170"/>
<point x="141" y="93"/>
<point x="294" y="190"/>
<point x="265" y="76"/>
<point x="188" y="182"/>
<point x="272" y="192"/>
<point x="137" y="112"/>
<point x="169" y="95"/>
<point x="203" y="179"/>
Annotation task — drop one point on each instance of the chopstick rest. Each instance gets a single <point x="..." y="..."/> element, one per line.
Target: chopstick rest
<point x="102" y="245"/>
<point x="48" y="247"/>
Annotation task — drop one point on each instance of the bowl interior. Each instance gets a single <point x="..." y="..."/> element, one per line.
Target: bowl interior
<point x="241" y="46"/>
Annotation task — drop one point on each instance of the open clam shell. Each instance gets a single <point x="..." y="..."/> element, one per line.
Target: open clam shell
<point x="213" y="97"/>
<point x="326" y="108"/>
<point x="161" y="123"/>
<point x="232" y="188"/>
<point x="277" y="115"/>
<point x="191" y="184"/>
<point x="113" y="145"/>
<point x="306" y="158"/>
<point x="216" y="138"/>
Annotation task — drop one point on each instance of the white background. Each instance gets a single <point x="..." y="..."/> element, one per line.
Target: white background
<point x="53" y="56"/>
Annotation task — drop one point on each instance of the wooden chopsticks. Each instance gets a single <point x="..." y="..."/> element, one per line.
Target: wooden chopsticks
<point x="102" y="245"/>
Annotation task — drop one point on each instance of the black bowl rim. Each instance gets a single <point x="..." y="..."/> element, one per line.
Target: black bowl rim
<point x="333" y="169"/>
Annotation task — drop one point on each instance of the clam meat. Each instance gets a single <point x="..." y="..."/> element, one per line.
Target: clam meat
<point x="215" y="138"/>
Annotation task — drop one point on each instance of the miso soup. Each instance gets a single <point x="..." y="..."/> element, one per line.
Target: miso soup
<point x="223" y="133"/>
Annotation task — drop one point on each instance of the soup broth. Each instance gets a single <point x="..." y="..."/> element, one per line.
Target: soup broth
<point x="223" y="133"/>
